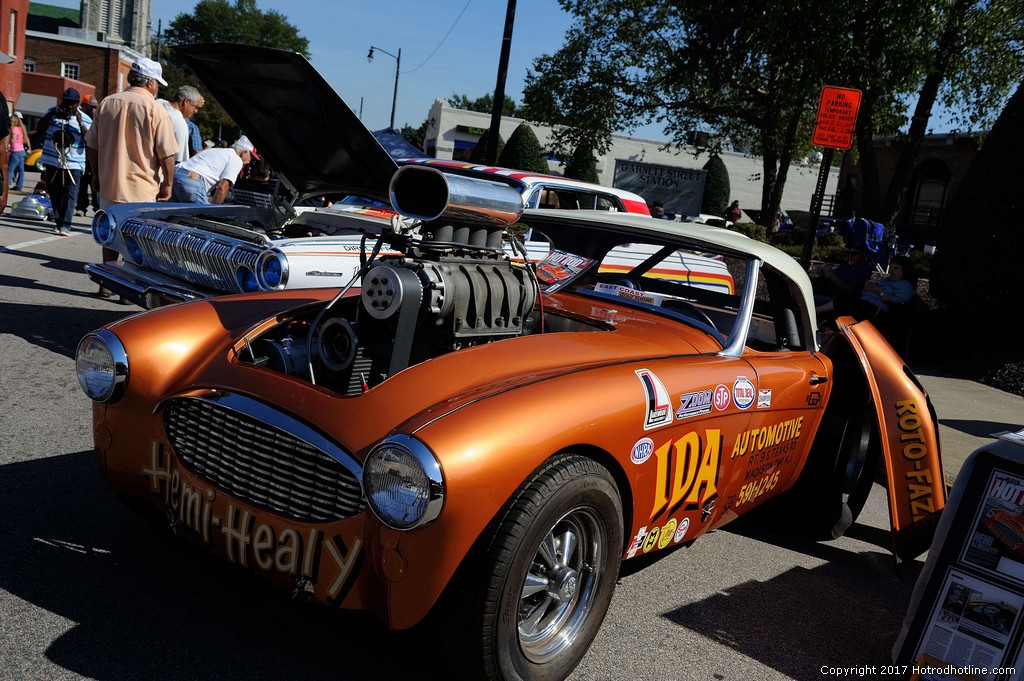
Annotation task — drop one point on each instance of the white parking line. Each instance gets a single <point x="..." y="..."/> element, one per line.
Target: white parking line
<point x="25" y="244"/>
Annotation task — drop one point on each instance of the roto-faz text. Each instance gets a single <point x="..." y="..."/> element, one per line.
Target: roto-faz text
<point x="915" y="448"/>
<point x="687" y="473"/>
<point x="247" y="541"/>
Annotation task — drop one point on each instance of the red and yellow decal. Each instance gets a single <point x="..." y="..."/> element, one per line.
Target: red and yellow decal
<point x="687" y="472"/>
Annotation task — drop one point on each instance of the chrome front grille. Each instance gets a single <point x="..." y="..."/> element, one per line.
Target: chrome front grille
<point x="199" y="257"/>
<point x="264" y="457"/>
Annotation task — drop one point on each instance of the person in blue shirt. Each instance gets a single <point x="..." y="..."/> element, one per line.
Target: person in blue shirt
<point x="899" y="287"/>
<point x="63" y="159"/>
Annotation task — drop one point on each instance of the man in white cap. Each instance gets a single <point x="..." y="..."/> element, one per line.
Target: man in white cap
<point x="209" y="176"/>
<point x="131" y="144"/>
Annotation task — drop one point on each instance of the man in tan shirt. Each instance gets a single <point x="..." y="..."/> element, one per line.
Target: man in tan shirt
<point x="131" y="145"/>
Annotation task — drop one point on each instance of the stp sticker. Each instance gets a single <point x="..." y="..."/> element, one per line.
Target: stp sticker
<point x="642" y="450"/>
<point x="743" y="392"/>
<point x="722" y="397"/>
<point x="764" y="398"/>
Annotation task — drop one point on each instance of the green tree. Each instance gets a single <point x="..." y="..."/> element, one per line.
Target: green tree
<point x="748" y="70"/>
<point x="964" y="54"/>
<point x="975" y="269"/>
<point x="523" y="151"/>
<point x="415" y="136"/>
<point x="717" y="187"/>
<point x="484" y="104"/>
<point x="220" y="21"/>
<point x="582" y="165"/>
<point x="479" y="153"/>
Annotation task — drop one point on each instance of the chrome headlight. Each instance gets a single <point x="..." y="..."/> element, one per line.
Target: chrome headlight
<point x="103" y="228"/>
<point x="134" y="250"/>
<point x="102" y="366"/>
<point x="403" y="483"/>
<point x="272" y="270"/>
<point x="247" y="280"/>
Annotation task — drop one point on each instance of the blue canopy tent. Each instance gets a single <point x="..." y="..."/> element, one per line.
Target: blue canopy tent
<point x="396" y="145"/>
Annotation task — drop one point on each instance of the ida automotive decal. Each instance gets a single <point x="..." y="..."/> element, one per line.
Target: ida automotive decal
<point x="307" y="554"/>
<point x="687" y="474"/>
<point x="659" y="405"/>
<point x="764" y="398"/>
<point x="722" y="397"/>
<point x="694" y="404"/>
<point x="743" y="392"/>
<point x="642" y="450"/>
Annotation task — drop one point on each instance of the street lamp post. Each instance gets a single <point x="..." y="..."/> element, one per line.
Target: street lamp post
<point x="398" y="66"/>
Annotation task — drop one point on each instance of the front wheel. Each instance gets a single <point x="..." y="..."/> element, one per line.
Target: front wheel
<point x="547" y="575"/>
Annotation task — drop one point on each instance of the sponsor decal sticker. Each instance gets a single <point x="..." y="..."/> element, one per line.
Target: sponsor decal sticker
<point x="659" y="404"/>
<point x="764" y="398"/>
<point x="722" y="397"/>
<point x="743" y="392"/>
<point x="813" y="399"/>
<point x="642" y="450"/>
<point x="638" y="541"/>
<point x="652" y="539"/>
<point x="684" y="525"/>
<point x="667" y="532"/>
<point x="694" y="404"/>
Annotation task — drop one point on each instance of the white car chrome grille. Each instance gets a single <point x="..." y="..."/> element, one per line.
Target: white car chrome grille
<point x="193" y="255"/>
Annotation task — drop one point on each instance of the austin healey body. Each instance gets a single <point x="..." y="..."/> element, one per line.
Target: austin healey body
<point x="456" y="432"/>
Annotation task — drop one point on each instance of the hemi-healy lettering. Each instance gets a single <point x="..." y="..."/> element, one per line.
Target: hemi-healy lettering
<point x="919" y="480"/>
<point x="687" y="472"/>
<point x="249" y="542"/>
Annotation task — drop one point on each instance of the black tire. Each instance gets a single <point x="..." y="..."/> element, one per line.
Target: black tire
<point x="531" y="610"/>
<point x="837" y="479"/>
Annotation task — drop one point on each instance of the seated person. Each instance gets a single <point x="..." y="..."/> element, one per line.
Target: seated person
<point x="899" y="287"/>
<point x="549" y="199"/>
<point x="847" y="278"/>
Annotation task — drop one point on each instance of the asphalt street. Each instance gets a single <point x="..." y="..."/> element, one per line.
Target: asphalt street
<point x="89" y="590"/>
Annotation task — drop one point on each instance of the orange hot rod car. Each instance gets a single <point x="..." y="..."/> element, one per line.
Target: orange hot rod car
<point x="465" y="434"/>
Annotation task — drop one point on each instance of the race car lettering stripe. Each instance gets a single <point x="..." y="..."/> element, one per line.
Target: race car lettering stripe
<point x="687" y="472"/>
<point x="915" y="448"/>
<point x="240" y="537"/>
<point x="347" y="561"/>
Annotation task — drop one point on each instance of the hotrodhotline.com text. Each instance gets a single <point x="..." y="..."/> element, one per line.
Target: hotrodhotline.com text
<point x="906" y="670"/>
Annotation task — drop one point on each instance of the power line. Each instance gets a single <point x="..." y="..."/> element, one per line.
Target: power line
<point x="442" y="39"/>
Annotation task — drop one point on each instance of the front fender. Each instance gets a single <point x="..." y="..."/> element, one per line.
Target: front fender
<point x="909" y="435"/>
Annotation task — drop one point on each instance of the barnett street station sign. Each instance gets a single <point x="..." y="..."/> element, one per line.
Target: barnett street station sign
<point x="837" y="117"/>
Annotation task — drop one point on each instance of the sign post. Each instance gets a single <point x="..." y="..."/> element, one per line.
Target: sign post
<point x="834" y="126"/>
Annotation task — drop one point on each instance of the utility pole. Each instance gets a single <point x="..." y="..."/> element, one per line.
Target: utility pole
<point x="491" y="155"/>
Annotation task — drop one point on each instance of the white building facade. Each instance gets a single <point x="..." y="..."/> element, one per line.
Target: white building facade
<point x="453" y="133"/>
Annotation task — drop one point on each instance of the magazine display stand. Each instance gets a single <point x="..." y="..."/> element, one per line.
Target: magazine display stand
<point x="966" y="616"/>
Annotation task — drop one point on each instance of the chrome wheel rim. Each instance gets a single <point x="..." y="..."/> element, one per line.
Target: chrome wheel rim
<point x="561" y="584"/>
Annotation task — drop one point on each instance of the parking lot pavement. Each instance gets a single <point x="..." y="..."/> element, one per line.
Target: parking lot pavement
<point x="970" y="415"/>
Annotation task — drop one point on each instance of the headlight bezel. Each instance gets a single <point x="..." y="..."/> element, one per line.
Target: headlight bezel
<point x="103" y="228"/>
<point x="267" y="260"/>
<point x="431" y="497"/>
<point x="118" y="366"/>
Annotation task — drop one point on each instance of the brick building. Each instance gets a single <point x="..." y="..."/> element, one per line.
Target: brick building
<point x="939" y="167"/>
<point x="52" y="52"/>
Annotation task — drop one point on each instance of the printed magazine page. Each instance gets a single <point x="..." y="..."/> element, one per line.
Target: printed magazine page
<point x="996" y="543"/>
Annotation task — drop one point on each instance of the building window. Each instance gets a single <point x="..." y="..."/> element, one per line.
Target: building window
<point x="69" y="70"/>
<point x="30" y="65"/>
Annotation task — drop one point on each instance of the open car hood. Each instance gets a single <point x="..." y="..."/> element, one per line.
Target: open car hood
<point x="296" y="120"/>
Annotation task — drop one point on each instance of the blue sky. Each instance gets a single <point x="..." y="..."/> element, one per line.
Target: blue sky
<point x="435" y="63"/>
